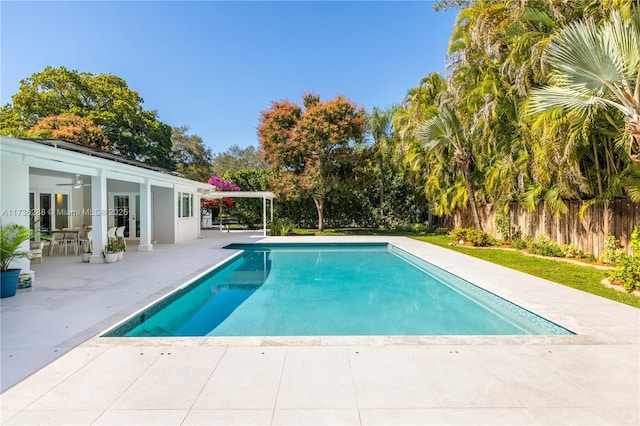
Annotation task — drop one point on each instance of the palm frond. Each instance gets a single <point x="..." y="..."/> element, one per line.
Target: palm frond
<point x="624" y="41"/>
<point x="569" y="98"/>
<point x="583" y="57"/>
<point x="554" y="202"/>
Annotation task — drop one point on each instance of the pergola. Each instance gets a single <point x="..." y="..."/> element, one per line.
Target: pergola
<point x="265" y="195"/>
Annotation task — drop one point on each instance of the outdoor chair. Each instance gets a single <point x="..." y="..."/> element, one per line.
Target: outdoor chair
<point x="36" y="250"/>
<point x="56" y="240"/>
<point x="111" y="233"/>
<point x="86" y="242"/>
<point x="70" y="239"/>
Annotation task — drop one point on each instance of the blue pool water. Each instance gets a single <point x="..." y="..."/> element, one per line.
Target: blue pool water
<point x="331" y="289"/>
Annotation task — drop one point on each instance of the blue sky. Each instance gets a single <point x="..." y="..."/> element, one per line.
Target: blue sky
<point x="213" y="65"/>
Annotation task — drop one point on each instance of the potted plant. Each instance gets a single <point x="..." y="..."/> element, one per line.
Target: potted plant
<point x="120" y="247"/>
<point x="12" y="236"/>
<point x="110" y="252"/>
<point x="86" y="254"/>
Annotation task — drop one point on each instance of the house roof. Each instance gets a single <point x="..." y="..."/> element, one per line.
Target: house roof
<point x="239" y="194"/>
<point x="93" y="152"/>
<point x="67" y="157"/>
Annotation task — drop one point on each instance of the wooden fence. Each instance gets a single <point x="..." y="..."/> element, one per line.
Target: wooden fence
<point x="617" y="217"/>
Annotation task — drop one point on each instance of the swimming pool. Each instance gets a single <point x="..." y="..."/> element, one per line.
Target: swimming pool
<point x="331" y="289"/>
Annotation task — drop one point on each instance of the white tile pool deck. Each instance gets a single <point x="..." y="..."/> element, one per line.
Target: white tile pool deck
<point x="590" y="378"/>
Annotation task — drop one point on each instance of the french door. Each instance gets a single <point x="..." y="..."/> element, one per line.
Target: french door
<point x="50" y="210"/>
<point x="124" y="210"/>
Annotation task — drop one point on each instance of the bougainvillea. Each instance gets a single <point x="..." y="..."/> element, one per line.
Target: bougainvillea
<point x="220" y="185"/>
<point x="223" y="185"/>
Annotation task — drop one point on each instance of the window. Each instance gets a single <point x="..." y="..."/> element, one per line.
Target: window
<point x="185" y="204"/>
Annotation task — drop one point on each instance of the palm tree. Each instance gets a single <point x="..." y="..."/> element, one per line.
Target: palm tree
<point x="442" y="132"/>
<point x="596" y="67"/>
<point x="378" y="124"/>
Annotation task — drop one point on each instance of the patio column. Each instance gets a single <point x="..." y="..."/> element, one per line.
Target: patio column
<point x="264" y="216"/>
<point x="99" y="214"/>
<point x="14" y="198"/>
<point x="145" y="217"/>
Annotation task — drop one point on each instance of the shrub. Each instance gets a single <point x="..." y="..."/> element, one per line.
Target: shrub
<point x="544" y="246"/>
<point x="460" y="234"/>
<point x="421" y="227"/>
<point x="503" y="225"/>
<point x="628" y="271"/>
<point x="572" y="250"/>
<point x="480" y="238"/>
<point x="281" y="227"/>
<point x="519" y="243"/>
<point x="612" y="253"/>
<point x="441" y="231"/>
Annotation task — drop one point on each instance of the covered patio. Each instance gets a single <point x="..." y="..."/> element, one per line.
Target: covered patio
<point x="55" y="185"/>
<point x="264" y="195"/>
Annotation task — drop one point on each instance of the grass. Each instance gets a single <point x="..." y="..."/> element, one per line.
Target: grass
<point x="585" y="278"/>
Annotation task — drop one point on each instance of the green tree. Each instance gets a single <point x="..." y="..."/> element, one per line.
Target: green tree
<point x="594" y="67"/>
<point x="249" y="210"/>
<point x="192" y="158"/>
<point x="313" y="150"/>
<point x="443" y="132"/>
<point x="378" y="123"/>
<point x="431" y="179"/>
<point x="104" y="99"/>
<point x="72" y="128"/>
<point x="236" y="159"/>
<point x="496" y="57"/>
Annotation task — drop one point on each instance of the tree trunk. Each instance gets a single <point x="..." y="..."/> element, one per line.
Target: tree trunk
<point x="597" y="164"/>
<point x="320" y="207"/>
<point x="381" y="191"/>
<point x="472" y="197"/>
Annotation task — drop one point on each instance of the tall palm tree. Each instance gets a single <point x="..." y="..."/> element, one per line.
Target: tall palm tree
<point x="596" y="67"/>
<point x="378" y="124"/>
<point x="445" y="131"/>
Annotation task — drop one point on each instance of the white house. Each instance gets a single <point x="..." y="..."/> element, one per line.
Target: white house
<point x="58" y="184"/>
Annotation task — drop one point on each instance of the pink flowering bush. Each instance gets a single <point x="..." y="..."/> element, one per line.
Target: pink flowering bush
<point x="220" y="185"/>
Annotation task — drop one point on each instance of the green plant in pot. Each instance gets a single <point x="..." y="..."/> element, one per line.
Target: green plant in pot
<point x="110" y="252"/>
<point x="12" y="236"/>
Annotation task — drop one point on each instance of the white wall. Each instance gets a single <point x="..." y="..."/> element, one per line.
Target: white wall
<point x="121" y="186"/>
<point x="187" y="228"/>
<point x="86" y="204"/>
<point x="164" y="213"/>
<point x="14" y="196"/>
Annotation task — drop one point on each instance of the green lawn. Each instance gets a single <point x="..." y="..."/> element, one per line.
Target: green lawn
<point x="583" y="278"/>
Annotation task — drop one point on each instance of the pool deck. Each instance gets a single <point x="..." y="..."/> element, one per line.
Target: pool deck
<point x="55" y="370"/>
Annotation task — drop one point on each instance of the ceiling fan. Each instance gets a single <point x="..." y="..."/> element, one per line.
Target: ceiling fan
<point x="77" y="183"/>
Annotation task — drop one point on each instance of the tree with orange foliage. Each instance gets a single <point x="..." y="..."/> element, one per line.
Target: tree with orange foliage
<point x="312" y="149"/>
<point x="72" y="128"/>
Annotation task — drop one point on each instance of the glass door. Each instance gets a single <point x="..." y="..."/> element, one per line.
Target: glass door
<point x="125" y="210"/>
<point x="50" y="211"/>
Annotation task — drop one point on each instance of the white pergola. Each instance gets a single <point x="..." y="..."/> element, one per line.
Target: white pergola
<point x="265" y="195"/>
